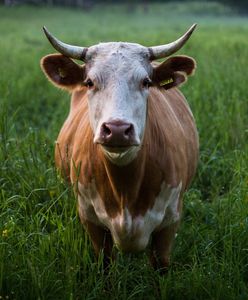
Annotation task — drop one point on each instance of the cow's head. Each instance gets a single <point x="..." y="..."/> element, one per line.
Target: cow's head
<point x="118" y="76"/>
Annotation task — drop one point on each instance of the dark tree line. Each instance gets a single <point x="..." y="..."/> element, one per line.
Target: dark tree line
<point x="241" y="5"/>
<point x="85" y="4"/>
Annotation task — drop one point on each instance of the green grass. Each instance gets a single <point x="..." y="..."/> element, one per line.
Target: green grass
<point x="44" y="252"/>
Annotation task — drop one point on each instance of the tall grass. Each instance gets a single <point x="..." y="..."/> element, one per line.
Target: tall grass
<point x="44" y="252"/>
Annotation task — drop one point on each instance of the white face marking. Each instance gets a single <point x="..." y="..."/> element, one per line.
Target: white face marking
<point x="118" y="71"/>
<point x="132" y="234"/>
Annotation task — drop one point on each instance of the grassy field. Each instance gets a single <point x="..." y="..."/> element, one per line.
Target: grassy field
<point x="44" y="252"/>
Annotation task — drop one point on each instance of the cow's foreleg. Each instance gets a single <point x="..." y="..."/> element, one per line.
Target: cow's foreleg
<point x="101" y="240"/>
<point x="161" y="245"/>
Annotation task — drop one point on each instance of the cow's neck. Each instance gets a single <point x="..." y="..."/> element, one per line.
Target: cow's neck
<point x="126" y="180"/>
<point x="120" y="186"/>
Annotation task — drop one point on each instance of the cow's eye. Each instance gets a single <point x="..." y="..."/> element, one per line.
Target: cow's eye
<point x="89" y="83"/>
<point x="147" y="82"/>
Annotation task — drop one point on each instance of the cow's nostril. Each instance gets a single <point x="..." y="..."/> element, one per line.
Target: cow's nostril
<point x="117" y="133"/>
<point x="105" y="130"/>
<point x="129" y="131"/>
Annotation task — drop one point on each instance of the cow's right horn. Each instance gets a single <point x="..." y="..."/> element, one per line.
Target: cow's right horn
<point x="168" y="49"/>
<point x="66" y="49"/>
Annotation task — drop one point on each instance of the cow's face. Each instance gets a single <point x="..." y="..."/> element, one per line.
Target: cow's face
<point x="117" y="76"/>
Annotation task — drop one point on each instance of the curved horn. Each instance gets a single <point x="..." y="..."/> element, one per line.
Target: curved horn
<point x="66" y="49"/>
<point x="168" y="49"/>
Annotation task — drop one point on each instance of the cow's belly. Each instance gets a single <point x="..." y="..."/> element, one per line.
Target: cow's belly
<point x="131" y="233"/>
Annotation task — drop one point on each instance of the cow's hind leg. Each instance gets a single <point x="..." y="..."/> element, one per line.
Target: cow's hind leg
<point x="101" y="240"/>
<point x="161" y="245"/>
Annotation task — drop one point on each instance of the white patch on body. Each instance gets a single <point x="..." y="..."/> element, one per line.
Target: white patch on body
<point x="131" y="233"/>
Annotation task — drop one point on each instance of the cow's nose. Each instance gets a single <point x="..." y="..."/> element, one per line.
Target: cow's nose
<point x="117" y="134"/>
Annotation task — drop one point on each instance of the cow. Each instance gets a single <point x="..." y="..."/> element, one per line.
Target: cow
<point x="129" y="145"/>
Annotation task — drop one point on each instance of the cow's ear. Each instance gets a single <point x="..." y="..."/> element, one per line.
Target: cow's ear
<point x="173" y="71"/>
<point x="62" y="71"/>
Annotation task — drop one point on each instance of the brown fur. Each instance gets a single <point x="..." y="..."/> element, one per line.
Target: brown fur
<point x="169" y="153"/>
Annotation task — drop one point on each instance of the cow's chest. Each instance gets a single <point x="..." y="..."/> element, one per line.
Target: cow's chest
<point x="130" y="233"/>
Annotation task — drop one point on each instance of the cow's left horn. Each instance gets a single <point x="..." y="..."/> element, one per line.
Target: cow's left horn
<point x="168" y="49"/>
<point x="66" y="49"/>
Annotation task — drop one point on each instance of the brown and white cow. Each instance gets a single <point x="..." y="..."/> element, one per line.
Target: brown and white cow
<point x="129" y="144"/>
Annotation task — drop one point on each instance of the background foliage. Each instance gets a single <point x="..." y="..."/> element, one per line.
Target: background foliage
<point x="44" y="252"/>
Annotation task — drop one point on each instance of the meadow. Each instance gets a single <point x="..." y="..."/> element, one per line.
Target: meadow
<point x="44" y="251"/>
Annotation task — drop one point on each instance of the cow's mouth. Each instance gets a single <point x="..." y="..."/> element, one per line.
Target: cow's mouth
<point x="117" y="148"/>
<point x="120" y="155"/>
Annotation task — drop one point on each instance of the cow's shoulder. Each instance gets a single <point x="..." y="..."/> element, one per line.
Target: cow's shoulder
<point x="171" y="136"/>
<point x="69" y="135"/>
